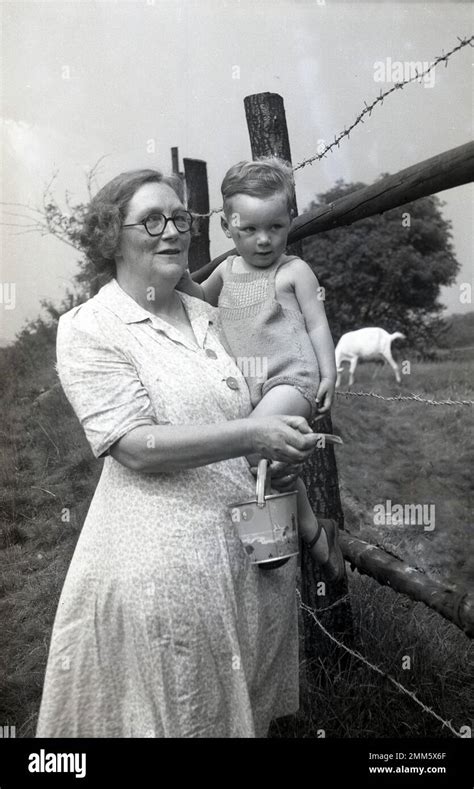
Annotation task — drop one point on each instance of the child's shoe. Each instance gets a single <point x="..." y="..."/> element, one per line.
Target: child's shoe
<point x="334" y="567"/>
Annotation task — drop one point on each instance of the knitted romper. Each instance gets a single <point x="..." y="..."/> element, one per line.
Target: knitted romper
<point x="270" y="344"/>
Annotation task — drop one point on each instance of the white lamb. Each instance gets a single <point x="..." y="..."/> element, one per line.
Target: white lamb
<point x="365" y="344"/>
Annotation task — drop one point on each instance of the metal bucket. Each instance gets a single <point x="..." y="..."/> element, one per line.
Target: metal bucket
<point x="267" y="525"/>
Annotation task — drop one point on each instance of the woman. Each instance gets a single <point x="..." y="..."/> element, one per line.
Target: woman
<point x="164" y="628"/>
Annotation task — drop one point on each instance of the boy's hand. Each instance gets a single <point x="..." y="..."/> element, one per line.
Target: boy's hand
<point x="325" y="394"/>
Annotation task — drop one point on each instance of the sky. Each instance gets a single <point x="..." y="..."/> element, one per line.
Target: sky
<point x="129" y="79"/>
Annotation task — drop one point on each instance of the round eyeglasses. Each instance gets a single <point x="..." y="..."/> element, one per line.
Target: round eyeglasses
<point x="155" y="223"/>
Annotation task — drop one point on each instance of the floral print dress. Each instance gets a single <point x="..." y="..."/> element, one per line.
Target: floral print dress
<point x="164" y="628"/>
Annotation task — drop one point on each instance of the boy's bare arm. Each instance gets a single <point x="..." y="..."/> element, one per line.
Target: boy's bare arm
<point x="311" y="300"/>
<point x="208" y="290"/>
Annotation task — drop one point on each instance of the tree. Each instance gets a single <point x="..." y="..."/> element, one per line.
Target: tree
<point x="385" y="270"/>
<point x="65" y="224"/>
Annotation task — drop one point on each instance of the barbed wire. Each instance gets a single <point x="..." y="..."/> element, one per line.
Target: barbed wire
<point x="412" y="396"/>
<point x="375" y="668"/>
<point x="340" y="601"/>
<point x="210" y="213"/>
<point x="368" y="108"/>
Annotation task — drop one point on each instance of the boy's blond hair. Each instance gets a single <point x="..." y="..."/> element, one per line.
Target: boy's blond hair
<point x="262" y="178"/>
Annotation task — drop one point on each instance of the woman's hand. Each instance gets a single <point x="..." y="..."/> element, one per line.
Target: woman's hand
<point x="185" y="281"/>
<point x="187" y="285"/>
<point x="286" y="438"/>
<point x="284" y="475"/>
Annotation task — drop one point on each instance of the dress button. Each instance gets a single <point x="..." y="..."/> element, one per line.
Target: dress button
<point x="232" y="382"/>
<point x="212" y="354"/>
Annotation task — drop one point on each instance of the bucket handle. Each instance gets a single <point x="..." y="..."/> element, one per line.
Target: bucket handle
<point x="261" y="479"/>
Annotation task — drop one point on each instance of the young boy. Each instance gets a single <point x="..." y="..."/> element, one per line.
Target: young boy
<point x="273" y="319"/>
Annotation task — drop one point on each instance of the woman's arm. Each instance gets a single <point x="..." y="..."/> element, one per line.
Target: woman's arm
<point x="102" y="384"/>
<point x="161" y="448"/>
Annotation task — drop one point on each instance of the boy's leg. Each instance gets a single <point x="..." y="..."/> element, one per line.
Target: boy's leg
<point x="308" y="524"/>
<point x="285" y="399"/>
<point x="280" y="400"/>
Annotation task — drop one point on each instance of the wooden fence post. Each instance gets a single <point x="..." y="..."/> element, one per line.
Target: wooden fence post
<point x="268" y="132"/>
<point x="175" y="162"/>
<point x="269" y="135"/>
<point x="195" y="173"/>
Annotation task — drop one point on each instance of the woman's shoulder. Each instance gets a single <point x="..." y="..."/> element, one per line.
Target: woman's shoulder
<point x="87" y="319"/>
<point x="82" y="317"/>
<point x="79" y="312"/>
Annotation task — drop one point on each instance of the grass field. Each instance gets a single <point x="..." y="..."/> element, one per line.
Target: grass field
<point x="405" y="452"/>
<point x="412" y="453"/>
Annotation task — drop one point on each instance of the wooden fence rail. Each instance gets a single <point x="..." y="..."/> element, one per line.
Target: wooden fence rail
<point x="444" y="171"/>
<point x="452" y="602"/>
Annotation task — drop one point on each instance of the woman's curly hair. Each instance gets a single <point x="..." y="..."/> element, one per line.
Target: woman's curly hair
<point x="105" y="214"/>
